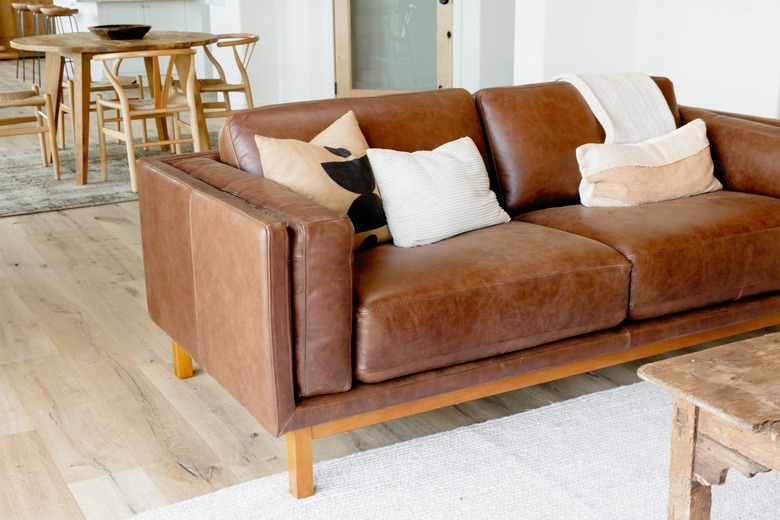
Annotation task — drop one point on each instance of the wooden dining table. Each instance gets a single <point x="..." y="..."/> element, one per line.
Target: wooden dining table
<point x="80" y="47"/>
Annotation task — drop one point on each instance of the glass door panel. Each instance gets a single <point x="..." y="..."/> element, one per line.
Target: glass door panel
<point x="392" y="45"/>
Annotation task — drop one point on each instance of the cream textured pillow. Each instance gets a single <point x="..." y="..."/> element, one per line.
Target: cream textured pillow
<point x="333" y="171"/>
<point x="667" y="167"/>
<point x="432" y="195"/>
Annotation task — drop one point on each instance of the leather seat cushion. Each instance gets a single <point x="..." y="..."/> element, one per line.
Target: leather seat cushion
<point x="686" y="253"/>
<point x="486" y="292"/>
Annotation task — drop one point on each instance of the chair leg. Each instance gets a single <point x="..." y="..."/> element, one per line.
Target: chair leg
<point x="248" y="93"/>
<point x="101" y="138"/>
<point x="72" y="125"/>
<point x="177" y="133"/>
<point x="144" y="128"/>
<point x="182" y="362"/>
<point x="226" y="97"/>
<point x="118" y="123"/>
<point x="300" y="462"/>
<point x="144" y="131"/>
<point x="72" y="99"/>
<point x="195" y="130"/>
<point x="71" y="102"/>
<point x="61" y="129"/>
<point x="130" y="151"/>
<point x="41" y="136"/>
<point x="55" y="157"/>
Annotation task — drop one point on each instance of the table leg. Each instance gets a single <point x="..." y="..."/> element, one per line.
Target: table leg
<point x="155" y="88"/>
<point x="688" y="499"/>
<point x="182" y="62"/>
<point x="82" y="79"/>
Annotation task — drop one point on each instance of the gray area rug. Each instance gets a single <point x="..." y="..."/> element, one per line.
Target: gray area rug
<point x="26" y="186"/>
<point x="603" y="456"/>
<point x="29" y="187"/>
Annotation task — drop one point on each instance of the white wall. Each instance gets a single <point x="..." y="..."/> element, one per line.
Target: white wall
<point x="294" y="58"/>
<point x="252" y="16"/>
<point x="590" y="36"/>
<point x="465" y="50"/>
<point x="496" y="43"/>
<point x="577" y="36"/>
<point x="720" y="54"/>
<point x="530" y="31"/>
<point x="305" y="36"/>
<point x="483" y="43"/>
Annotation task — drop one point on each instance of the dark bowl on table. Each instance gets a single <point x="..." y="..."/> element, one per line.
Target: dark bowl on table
<point x="120" y="32"/>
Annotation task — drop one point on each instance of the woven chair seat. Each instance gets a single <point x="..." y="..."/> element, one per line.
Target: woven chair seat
<point x="20" y="98"/>
<point x="103" y="85"/>
<point x="125" y="81"/>
<point x="175" y="101"/>
<point x="40" y="121"/>
<point x="216" y="85"/>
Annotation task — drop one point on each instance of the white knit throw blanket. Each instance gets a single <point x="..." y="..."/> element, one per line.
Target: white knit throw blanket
<point x="629" y="106"/>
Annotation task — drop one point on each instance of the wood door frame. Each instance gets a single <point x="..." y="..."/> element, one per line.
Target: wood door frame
<point x="342" y="37"/>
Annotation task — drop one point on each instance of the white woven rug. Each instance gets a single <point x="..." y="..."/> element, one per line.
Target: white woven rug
<point x="602" y="456"/>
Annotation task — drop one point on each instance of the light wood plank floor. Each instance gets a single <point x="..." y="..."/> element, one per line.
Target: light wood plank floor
<point x="93" y="424"/>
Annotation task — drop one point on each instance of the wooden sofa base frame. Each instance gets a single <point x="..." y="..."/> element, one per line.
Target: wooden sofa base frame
<point x="300" y="442"/>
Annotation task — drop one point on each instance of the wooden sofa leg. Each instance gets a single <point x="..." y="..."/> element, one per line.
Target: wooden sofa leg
<point x="182" y="362"/>
<point x="300" y="462"/>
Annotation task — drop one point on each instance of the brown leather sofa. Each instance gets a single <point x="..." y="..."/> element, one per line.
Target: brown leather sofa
<point x="261" y="286"/>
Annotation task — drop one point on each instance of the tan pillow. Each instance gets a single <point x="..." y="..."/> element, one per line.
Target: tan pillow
<point x="333" y="171"/>
<point x="672" y="166"/>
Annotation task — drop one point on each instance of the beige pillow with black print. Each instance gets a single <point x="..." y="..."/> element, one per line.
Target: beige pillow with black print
<point x="333" y="171"/>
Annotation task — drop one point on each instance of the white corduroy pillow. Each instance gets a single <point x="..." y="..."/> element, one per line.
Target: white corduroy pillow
<point x="671" y="166"/>
<point x="432" y="195"/>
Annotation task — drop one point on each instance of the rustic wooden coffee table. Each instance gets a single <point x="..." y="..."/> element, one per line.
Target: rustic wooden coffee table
<point x="726" y="414"/>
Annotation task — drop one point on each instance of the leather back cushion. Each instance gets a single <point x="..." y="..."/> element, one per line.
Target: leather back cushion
<point x="532" y="133"/>
<point x="404" y="122"/>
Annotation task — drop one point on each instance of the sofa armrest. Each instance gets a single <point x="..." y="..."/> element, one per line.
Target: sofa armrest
<point x="321" y="263"/>
<point x="747" y="117"/>
<point x="745" y="150"/>
<point x="223" y="296"/>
